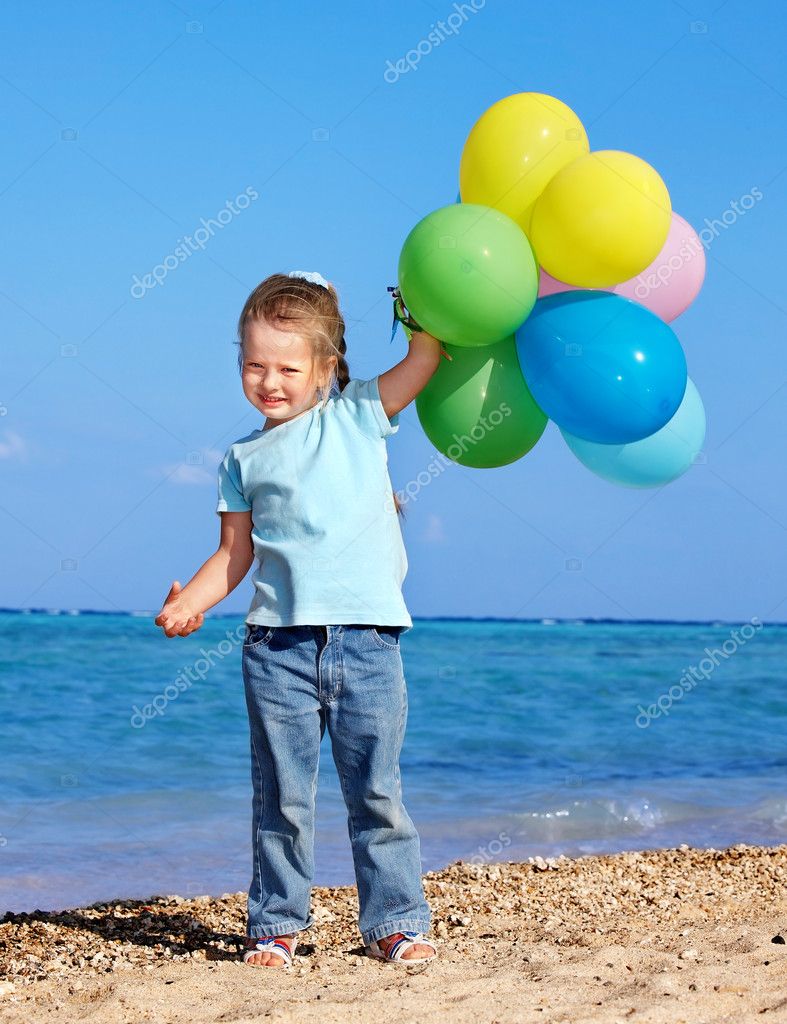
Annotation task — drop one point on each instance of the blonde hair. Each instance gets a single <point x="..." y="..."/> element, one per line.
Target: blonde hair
<point x="295" y="303"/>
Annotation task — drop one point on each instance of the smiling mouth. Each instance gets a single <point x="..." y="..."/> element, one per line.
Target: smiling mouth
<point x="271" y="401"/>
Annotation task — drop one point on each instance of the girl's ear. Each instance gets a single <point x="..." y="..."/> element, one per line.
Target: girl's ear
<point x="324" y="379"/>
<point x="333" y="363"/>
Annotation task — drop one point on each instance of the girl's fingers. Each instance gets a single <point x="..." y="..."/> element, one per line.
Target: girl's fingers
<point x="172" y="627"/>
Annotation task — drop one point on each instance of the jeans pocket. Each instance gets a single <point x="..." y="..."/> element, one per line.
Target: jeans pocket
<point x="387" y="636"/>
<point x="257" y="636"/>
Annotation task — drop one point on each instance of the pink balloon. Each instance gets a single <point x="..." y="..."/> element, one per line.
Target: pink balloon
<point x="548" y="285"/>
<point x="668" y="286"/>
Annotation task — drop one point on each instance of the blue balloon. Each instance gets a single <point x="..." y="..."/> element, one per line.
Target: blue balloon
<point x="604" y="368"/>
<point x="655" y="460"/>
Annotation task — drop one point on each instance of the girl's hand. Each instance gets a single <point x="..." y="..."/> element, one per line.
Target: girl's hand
<point x="410" y="326"/>
<point x="176" y="618"/>
<point x="440" y="344"/>
<point x="437" y="342"/>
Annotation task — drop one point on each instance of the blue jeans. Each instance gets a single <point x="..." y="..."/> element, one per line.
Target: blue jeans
<point x="298" y="679"/>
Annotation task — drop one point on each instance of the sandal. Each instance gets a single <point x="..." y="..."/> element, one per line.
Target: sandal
<point x="273" y="944"/>
<point x="395" y="951"/>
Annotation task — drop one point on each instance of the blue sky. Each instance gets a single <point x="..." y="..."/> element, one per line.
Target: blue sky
<point x="127" y="125"/>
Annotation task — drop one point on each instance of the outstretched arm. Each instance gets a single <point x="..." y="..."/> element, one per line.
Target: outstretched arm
<point x="400" y="384"/>
<point x="184" y="607"/>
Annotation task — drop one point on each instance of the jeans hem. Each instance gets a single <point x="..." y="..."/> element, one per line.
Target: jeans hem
<point x="280" y="928"/>
<point x="401" y="924"/>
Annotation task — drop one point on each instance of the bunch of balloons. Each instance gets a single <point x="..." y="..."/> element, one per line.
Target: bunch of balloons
<point x="552" y="282"/>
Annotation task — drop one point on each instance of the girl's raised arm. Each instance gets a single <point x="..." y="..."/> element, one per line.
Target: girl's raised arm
<point x="400" y="385"/>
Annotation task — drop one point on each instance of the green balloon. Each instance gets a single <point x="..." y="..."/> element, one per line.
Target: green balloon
<point x="468" y="275"/>
<point x="477" y="409"/>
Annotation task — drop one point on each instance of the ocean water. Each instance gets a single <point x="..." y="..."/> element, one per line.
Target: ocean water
<point x="523" y="739"/>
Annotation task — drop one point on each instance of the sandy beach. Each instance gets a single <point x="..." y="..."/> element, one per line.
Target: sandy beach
<point x="665" y="936"/>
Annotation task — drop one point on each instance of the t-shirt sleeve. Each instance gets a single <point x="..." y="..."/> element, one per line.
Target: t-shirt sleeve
<point x="360" y="400"/>
<point x="230" y="488"/>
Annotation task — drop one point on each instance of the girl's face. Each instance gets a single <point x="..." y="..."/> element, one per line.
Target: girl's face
<point x="278" y="373"/>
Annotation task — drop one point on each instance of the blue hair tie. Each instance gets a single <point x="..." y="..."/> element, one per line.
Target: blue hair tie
<point x="310" y="275"/>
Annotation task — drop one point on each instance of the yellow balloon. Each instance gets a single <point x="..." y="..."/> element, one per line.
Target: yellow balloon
<point x="515" y="148"/>
<point x="601" y="220"/>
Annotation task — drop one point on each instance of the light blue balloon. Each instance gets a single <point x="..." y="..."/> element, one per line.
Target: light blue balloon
<point x="655" y="460"/>
<point x="604" y="368"/>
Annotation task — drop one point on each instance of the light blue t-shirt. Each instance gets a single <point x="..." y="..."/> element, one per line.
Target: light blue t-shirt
<point x="325" y="529"/>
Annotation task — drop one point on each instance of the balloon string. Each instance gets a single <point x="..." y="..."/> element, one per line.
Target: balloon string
<point x="400" y="313"/>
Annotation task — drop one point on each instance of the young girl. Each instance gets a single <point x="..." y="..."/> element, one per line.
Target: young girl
<point x="310" y="496"/>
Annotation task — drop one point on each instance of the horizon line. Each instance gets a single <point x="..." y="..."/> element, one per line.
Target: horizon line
<point x="540" y="620"/>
